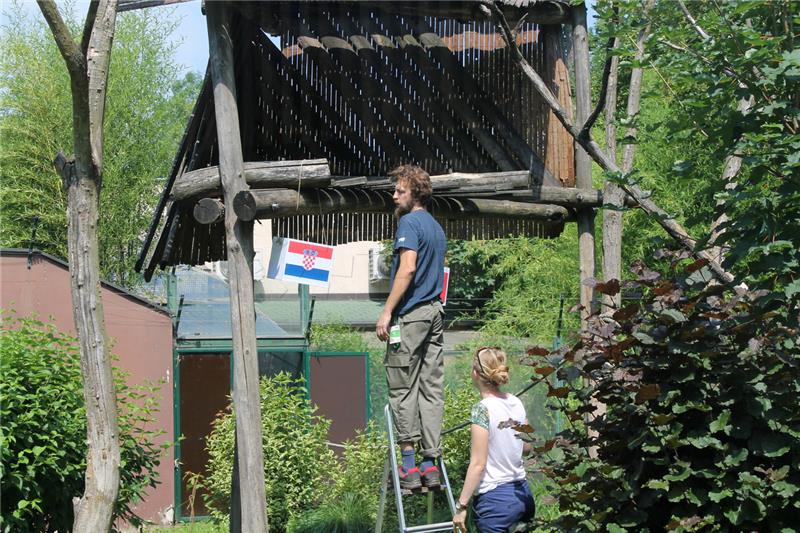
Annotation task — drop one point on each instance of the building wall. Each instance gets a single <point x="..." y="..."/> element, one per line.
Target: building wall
<point x="141" y="337"/>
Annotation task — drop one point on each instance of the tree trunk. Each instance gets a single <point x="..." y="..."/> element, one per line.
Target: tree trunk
<point x="239" y="242"/>
<point x="612" y="233"/>
<point x="583" y="165"/>
<point x="612" y="194"/>
<point x="88" y="69"/>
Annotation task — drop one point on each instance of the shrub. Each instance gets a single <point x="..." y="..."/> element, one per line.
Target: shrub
<point x="43" y="430"/>
<point x="298" y="464"/>
<point x="701" y="425"/>
<point x="349" y="514"/>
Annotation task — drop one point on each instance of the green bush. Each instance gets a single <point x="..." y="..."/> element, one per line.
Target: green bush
<point x="43" y="430"/>
<point x="701" y="428"/>
<point x="298" y="465"/>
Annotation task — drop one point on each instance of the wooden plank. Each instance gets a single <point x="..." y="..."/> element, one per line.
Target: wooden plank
<point x="426" y="129"/>
<point x="357" y="97"/>
<point x="181" y="160"/>
<point x="471" y="155"/>
<point x="257" y="174"/>
<point x="239" y="241"/>
<point x="311" y="97"/>
<point x="474" y="123"/>
<point x="506" y="129"/>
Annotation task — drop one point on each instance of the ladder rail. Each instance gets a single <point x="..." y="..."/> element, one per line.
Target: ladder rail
<point x="398" y="495"/>
<point x="390" y="467"/>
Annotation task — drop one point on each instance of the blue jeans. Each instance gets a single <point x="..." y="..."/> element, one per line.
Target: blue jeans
<point x="498" y="509"/>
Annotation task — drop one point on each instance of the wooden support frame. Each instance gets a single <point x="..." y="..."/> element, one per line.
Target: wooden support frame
<point x="249" y="466"/>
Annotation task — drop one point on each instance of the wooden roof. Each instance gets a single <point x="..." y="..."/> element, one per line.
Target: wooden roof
<point x="368" y="86"/>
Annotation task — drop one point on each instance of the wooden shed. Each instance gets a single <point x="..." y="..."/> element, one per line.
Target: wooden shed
<point x="332" y="95"/>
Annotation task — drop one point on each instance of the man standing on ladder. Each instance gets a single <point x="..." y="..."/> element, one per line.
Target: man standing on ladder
<point x="413" y="323"/>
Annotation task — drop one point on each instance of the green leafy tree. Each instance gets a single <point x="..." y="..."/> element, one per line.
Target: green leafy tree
<point x="297" y="461"/>
<point x="699" y="431"/>
<point x="43" y="431"/>
<point x="147" y="105"/>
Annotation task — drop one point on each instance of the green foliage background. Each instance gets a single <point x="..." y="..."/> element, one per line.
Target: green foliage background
<point x="146" y="110"/>
<point x="43" y="430"/>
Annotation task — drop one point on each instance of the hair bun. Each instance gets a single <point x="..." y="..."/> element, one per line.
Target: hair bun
<point x="499" y="375"/>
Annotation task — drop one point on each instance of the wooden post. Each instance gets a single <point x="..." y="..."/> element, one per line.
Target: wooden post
<point x="583" y="165"/>
<point x="239" y="243"/>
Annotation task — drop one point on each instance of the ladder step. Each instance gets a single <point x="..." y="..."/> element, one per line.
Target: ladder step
<point x="429" y="528"/>
<point x="421" y="490"/>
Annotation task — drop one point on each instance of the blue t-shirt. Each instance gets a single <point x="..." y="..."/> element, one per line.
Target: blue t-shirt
<point x="420" y="232"/>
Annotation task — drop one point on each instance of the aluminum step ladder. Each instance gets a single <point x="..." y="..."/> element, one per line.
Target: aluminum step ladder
<point x="390" y="469"/>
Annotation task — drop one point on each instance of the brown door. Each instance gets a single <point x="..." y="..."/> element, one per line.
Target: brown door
<point x="204" y="390"/>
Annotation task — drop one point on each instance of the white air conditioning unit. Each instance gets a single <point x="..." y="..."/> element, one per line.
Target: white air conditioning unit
<point x="220" y="268"/>
<point x="378" y="269"/>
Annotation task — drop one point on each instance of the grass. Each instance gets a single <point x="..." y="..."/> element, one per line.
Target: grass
<point x="204" y="526"/>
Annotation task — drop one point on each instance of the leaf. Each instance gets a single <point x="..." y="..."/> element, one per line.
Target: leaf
<point x="610" y="288"/>
<point x="716" y="497"/>
<point x="559" y="392"/>
<point x="697" y="265"/>
<point x="672" y="316"/>
<point x="647" y="392"/>
<point x="661" y="420"/>
<point x="545" y="371"/>
<point x="625" y="312"/>
<point x="658" y="484"/>
<point x="538" y="351"/>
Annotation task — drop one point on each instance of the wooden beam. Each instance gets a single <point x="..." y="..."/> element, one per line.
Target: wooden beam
<point x="209" y="210"/>
<point x="239" y="244"/>
<point x="274" y="203"/>
<point x="130" y="5"/>
<point x="257" y="174"/>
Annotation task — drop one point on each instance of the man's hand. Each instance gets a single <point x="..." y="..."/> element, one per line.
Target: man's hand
<point x="382" y="327"/>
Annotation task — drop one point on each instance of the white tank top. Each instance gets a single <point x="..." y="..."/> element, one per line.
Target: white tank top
<point x="504" y="463"/>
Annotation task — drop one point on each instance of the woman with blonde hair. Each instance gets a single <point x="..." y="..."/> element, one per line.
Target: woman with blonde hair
<point x="496" y="475"/>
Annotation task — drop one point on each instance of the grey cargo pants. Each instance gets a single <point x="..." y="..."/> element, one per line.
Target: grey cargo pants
<point x="415" y="375"/>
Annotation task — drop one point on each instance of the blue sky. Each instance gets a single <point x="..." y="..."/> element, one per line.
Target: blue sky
<point x="192" y="35"/>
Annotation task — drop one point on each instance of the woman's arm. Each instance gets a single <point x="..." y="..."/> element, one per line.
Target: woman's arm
<point x="479" y="453"/>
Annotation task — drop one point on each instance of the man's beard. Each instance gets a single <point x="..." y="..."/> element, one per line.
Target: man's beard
<point x="399" y="211"/>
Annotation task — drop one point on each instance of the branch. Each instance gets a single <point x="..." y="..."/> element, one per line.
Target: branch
<point x="700" y="31"/>
<point x="670" y="225"/>
<point x="601" y="102"/>
<point x="88" y="25"/>
<point x="98" y="60"/>
<point x="635" y="90"/>
<point x="725" y="70"/>
<point x="76" y="62"/>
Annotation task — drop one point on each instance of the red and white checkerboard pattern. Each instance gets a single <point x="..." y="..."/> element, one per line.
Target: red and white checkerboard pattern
<point x="309" y="258"/>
